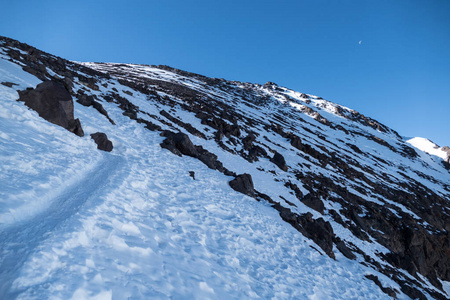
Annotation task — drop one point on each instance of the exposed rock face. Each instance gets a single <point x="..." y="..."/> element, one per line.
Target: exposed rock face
<point x="180" y="144"/>
<point x="313" y="200"/>
<point x="52" y="101"/>
<point x="320" y="232"/>
<point x="86" y="100"/>
<point x="89" y="100"/>
<point x="243" y="183"/>
<point x="279" y="160"/>
<point x="447" y="149"/>
<point x="101" y="139"/>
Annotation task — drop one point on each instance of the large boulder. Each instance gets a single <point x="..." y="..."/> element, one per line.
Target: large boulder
<point x="179" y="143"/>
<point x="313" y="200"/>
<point x="101" y="139"/>
<point x="52" y="101"/>
<point x="85" y="100"/>
<point x="279" y="160"/>
<point x="243" y="183"/>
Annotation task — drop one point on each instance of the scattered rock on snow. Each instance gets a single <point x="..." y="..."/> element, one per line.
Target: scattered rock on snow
<point x="8" y="84"/>
<point x="101" y="139"/>
<point x="389" y="291"/>
<point x="319" y="230"/>
<point x="68" y="83"/>
<point x="344" y="249"/>
<point x="313" y="201"/>
<point x="278" y="160"/>
<point x="243" y="183"/>
<point x="179" y="143"/>
<point x="85" y="100"/>
<point x="89" y="100"/>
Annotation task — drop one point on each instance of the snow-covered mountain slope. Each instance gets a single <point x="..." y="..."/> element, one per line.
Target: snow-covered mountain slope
<point x="429" y="147"/>
<point x="335" y="205"/>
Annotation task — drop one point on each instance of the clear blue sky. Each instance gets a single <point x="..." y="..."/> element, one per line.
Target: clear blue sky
<point x="399" y="74"/>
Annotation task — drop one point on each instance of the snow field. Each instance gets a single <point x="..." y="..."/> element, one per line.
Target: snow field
<point x="160" y="234"/>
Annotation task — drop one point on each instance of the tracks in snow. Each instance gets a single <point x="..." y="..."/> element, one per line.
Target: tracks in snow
<point x="18" y="241"/>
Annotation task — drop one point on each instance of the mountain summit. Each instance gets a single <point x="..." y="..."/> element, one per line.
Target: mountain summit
<point x="122" y="181"/>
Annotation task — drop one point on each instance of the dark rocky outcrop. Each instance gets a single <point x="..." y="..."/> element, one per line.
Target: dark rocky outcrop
<point x="101" y="139"/>
<point x="376" y="280"/>
<point x="409" y="151"/>
<point x="296" y="142"/>
<point x="340" y="245"/>
<point x="180" y="144"/>
<point x="255" y="152"/>
<point x="191" y="129"/>
<point x="279" y="161"/>
<point x="89" y="100"/>
<point x="52" y="101"/>
<point x="319" y="230"/>
<point x="75" y="127"/>
<point x="86" y="100"/>
<point x="313" y="200"/>
<point x="243" y="183"/>
<point x="295" y="189"/>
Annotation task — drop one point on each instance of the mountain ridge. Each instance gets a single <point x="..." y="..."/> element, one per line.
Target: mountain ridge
<point x="347" y="182"/>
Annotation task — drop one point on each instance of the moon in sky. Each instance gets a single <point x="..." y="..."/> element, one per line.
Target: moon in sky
<point x="360" y="42"/>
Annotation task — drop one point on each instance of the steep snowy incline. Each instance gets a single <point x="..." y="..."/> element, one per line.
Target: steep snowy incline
<point x="367" y="168"/>
<point x="159" y="233"/>
<point x="136" y="225"/>
<point x="336" y="204"/>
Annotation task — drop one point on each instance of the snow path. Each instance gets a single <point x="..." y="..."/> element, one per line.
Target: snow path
<point x="20" y="240"/>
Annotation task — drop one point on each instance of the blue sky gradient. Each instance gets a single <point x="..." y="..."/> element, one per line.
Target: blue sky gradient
<point x="399" y="74"/>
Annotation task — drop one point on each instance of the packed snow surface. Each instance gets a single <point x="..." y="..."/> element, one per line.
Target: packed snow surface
<point x="78" y="223"/>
